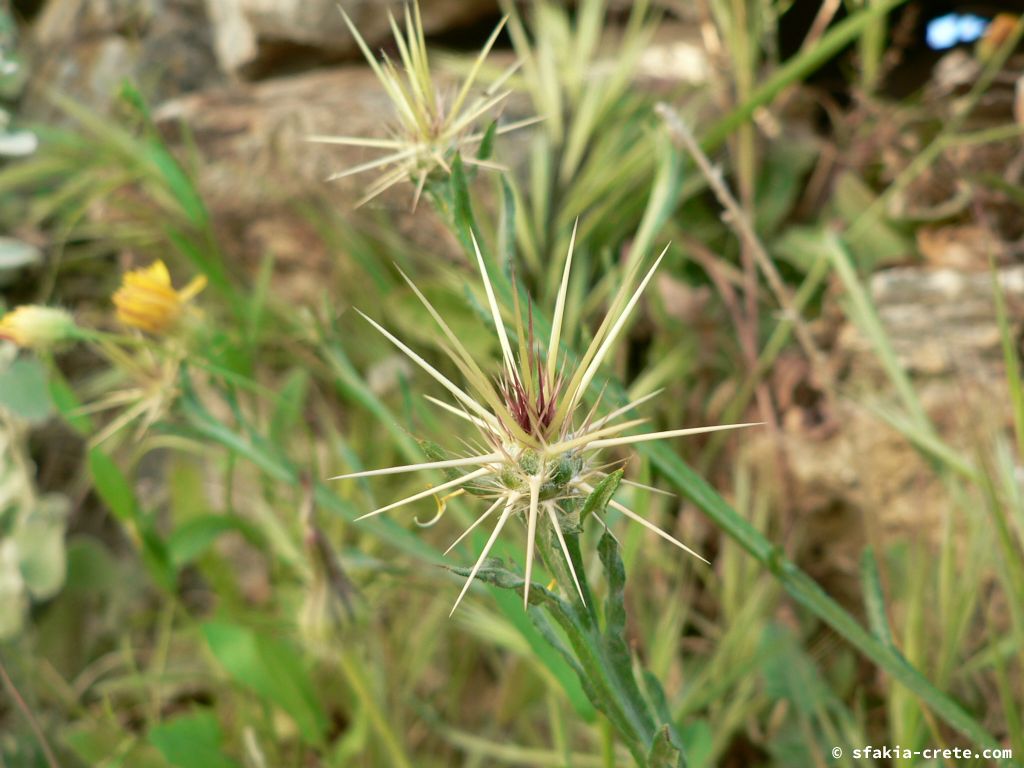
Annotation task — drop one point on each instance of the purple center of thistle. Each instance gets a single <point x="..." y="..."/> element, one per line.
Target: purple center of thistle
<point x="533" y="407"/>
<point x="533" y="414"/>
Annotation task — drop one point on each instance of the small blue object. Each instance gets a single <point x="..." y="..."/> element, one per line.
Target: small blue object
<point x="954" y="29"/>
<point x="971" y="27"/>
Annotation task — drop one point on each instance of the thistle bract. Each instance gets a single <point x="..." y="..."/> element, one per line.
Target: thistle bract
<point x="539" y="453"/>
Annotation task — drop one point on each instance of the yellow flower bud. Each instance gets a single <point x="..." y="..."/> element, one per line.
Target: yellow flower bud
<point x="146" y="299"/>
<point x="37" y="327"/>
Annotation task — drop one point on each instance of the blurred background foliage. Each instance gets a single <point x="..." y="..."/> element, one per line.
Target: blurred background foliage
<point x="179" y="585"/>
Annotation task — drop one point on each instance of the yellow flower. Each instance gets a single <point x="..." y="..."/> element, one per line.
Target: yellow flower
<point x="146" y="299"/>
<point x="36" y="327"/>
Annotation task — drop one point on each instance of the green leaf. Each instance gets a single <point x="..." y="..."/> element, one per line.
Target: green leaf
<point x="493" y="571"/>
<point x="291" y="401"/>
<point x="23" y="390"/>
<point x="790" y="674"/>
<point x="177" y="182"/>
<point x="664" y="753"/>
<point x="598" y="499"/>
<point x="486" y="148"/>
<point x="112" y="486"/>
<point x="156" y="557"/>
<point x="838" y="37"/>
<point x="462" y="207"/>
<point x="192" y="539"/>
<point x="68" y="404"/>
<point x="13" y="599"/>
<point x="874" y="600"/>
<point x="659" y="705"/>
<point x="108" y="743"/>
<point x="40" y="543"/>
<point x="272" y="670"/>
<point x="780" y="182"/>
<point x="800" y="246"/>
<point x="191" y="741"/>
<point x="616" y="649"/>
<point x="699" y="739"/>
<point x="91" y="569"/>
<point x="877" y="242"/>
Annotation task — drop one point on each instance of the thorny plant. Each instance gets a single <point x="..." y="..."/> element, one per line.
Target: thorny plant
<point x="527" y="412"/>
<point x="430" y="125"/>
<point x="535" y="455"/>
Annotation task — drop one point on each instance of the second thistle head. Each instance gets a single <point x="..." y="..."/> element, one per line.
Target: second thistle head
<point x="430" y="125"/>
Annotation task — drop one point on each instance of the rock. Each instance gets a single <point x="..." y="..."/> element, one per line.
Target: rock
<point x="253" y="137"/>
<point x="963" y="247"/>
<point x="846" y="463"/>
<point x="247" y="33"/>
<point x="940" y="321"/>
<point x="87" y="48"/>
<point x="258" y="169"/>
<point x="256" y="161"/>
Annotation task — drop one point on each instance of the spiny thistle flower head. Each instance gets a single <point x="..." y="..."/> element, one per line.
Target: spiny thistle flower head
<point x="536" y="458"/>
<point x="37" y="327"/>
<point x="148" y="301"/>
<point x="430" y="125"/>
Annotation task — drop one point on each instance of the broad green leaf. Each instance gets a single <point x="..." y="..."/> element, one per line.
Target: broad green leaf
<point x="699" y="739"/>
<point x="800" y="246"/>
<point x="23" y="390"/>
<point x="40" y="542"/>
<point x="103" y="742"/>
<point x="879" y="242"/>
<point x="780" y="182"/>
<point x="615" y="573"/>
<point x="273" y="670"/>
<point x="191" y="741"/>
<point x="13" y="598"/>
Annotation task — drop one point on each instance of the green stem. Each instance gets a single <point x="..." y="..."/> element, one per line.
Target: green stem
<point x="796" y="69"/>
<point x="809" y="593"/>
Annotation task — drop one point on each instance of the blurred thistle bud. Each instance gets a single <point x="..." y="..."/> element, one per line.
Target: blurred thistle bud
<point x="37" y="327"/>
<point x="997" y="34"/>
<point x="146" y="299"/>
<point x="431" y="126"/>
